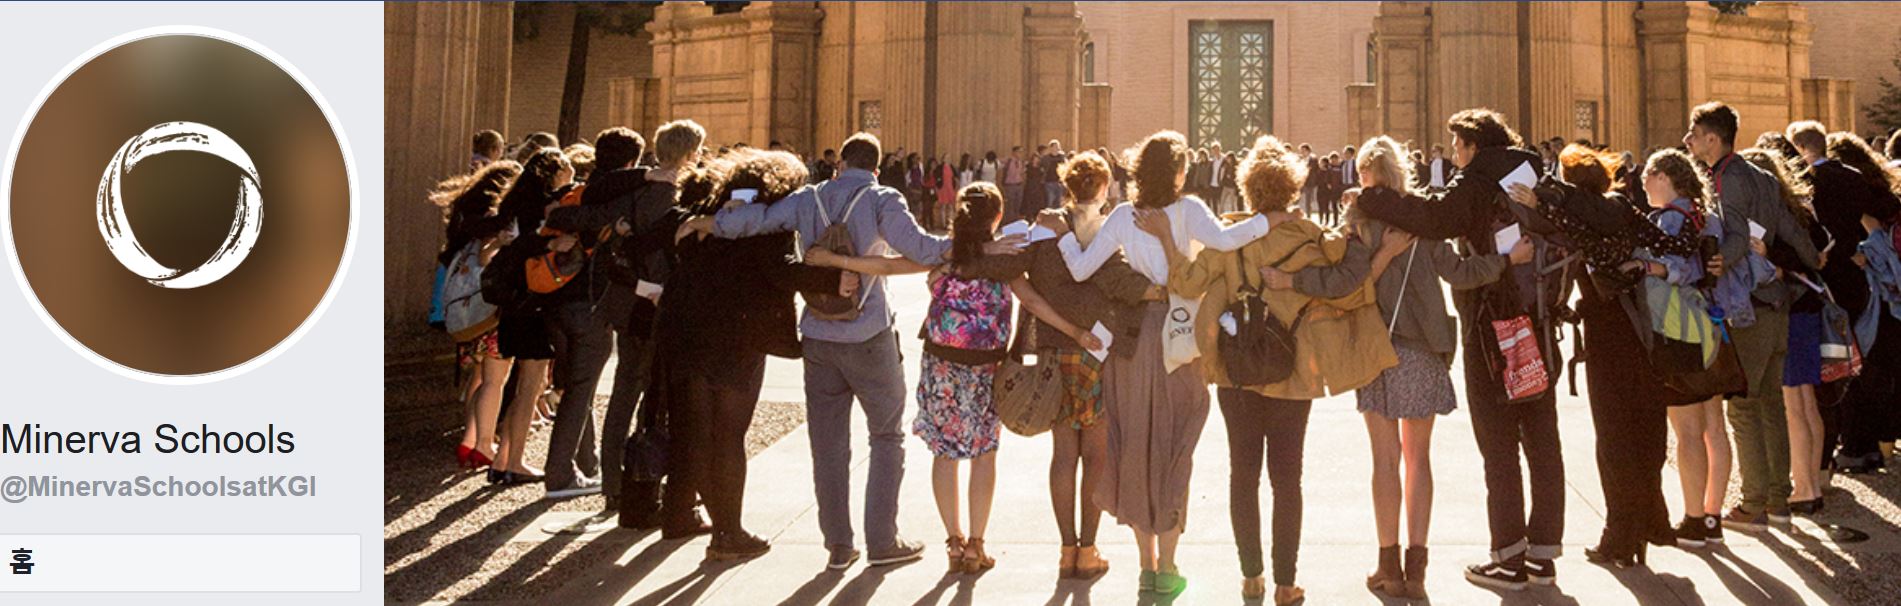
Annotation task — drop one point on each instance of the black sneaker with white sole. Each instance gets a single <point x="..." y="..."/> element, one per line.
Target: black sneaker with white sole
<point x="1508" y="575"/>
<point x="1690" y="533"/>
<point x="900" y="551"/>
<point x="1541" y="572"/>
<point x="841" y="558"/>
<point x="1712" y="530"/>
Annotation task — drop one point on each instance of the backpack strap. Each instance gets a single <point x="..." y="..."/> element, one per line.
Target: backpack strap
<point x="826" y="220"/>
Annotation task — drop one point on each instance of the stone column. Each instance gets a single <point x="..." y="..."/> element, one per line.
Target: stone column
<point x="430" y="75"/>
<point x="783" y="42"/>
<point x="1053" y="41"/>
<point x="1675" y="40"/>
<point x="1402" y="42"/>
<point x="494" y="55"/>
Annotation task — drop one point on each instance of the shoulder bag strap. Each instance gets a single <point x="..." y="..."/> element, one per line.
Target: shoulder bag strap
<point x="1403" y="280"/>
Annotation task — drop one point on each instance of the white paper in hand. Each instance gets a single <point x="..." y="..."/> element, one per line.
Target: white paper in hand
<point x="1506" y="238"/>
<point x="647" y="289"/>
<point x="1756" y="230"/>
<point x="1040" y="233"/>
<point x="1102" y="332"/>
<point x="1018" y="228"/>
<point x="1523" y="174"/>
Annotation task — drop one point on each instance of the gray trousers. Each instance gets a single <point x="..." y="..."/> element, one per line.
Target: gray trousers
<point x="1758" y="421"/>
<point x="573" y="448"/>
<point x="873" y="373"/>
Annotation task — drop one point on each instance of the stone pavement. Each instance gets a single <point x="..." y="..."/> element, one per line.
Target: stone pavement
<point x="1337" y="546"/>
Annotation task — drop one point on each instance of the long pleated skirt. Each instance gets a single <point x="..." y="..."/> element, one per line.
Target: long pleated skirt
<point x="1155" y="421"/>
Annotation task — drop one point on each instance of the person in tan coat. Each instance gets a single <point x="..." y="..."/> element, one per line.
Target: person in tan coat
<point x="1340" y="345"/>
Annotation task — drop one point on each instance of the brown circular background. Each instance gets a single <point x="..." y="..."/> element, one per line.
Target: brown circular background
<point x="180" y="205"/>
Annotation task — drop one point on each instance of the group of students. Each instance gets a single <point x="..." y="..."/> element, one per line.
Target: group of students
<point x="1753" y="261"/>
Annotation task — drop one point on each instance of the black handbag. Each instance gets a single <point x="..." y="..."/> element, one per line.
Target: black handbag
<point x="1260" y="351"/>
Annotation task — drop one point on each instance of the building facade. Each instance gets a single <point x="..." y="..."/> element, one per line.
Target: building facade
<point x="950" y="78"/>
<point x="1622" y="74"/>
<point x="1228" y="71"/>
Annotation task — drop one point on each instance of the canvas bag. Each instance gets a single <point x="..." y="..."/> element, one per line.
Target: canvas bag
<point x="1178" y="326"/>
<point x="837" y="238"/>
<point x="464" y="312"/>
<point x="1029" y="397"/>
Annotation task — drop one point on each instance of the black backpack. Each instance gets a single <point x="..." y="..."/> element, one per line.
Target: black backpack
<point x="504" y="280"/>
<point x="1261" y="350"/>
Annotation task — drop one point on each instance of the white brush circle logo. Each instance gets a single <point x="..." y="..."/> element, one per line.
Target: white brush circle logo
<point x="173" y="137"/>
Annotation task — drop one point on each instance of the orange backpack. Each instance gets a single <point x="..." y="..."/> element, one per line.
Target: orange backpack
<point x="550" y="271"/>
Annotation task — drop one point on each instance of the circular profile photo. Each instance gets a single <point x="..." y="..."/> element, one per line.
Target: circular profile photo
<point x="179" y="204"/>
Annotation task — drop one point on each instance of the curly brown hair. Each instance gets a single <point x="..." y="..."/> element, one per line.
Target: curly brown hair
<point x="775" y="174"/>
<point x="1271" y="176"/>
<point x="1849" y="148"/>
<point x="1158" y="161"/>
<point x="1685" y="178"/>
<point x="1483" y="128"/>
<point x="1795" y="192"/>
<point x="1085" y="175"/>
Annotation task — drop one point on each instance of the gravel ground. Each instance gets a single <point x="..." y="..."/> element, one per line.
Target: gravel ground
<point x="1861" y="573"/>
<point x="446" y="531"/>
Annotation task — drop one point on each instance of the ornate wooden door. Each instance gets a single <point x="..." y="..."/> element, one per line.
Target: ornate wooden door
<point x="1230" y="74"/>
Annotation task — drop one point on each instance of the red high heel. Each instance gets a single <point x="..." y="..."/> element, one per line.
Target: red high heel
<point x="478" y="460"/>
<point x="462" y="456"/>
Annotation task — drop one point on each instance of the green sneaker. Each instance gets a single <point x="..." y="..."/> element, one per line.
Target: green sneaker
<point x="1170" y="582"/>
<point x="1147" y="584"/>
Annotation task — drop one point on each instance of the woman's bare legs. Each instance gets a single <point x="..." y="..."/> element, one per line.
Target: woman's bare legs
<point x="944" y="489"/>
<point x="1063" y="463"/>
<point x="1095" y="447"/>
<point x="1805" y="443"/>
<point x="1145" y="546"/>
<point x="1383" y="433"/>
<point x="1693" y="457"/>
<point x="983" y="490"/>
<point x="487" y="403"/>
<point x="521" y="416"/>
<point x="1416" y="446"/>
<point x="1716" y="437"/>
<point x="1165" y="544"/>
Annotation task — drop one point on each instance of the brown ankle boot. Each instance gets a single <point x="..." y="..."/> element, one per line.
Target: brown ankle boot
<point x="1388" y="579"/>
<point x="1089" y="562"/>
<point x="1416" y="572"/>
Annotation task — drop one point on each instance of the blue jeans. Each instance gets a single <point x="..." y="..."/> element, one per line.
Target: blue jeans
<point x="871" y="372"/>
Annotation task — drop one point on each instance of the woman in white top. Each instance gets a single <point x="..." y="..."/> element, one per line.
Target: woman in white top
<point x="987" y="170"/>
<point x="1155" y="413"/>
<point x="966" y="172"/>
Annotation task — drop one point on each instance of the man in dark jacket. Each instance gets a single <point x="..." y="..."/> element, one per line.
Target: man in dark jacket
<point x="1473" y="208"/>
<point x="1747" y="196"/>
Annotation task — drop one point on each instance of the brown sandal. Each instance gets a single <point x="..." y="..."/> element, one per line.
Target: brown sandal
<point x="954" y="551"/>
<point x="1066" y="568"/>
<point x="975" y="561"/>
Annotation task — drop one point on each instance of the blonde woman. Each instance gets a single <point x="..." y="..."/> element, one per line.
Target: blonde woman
<point x="1401" y="404"/>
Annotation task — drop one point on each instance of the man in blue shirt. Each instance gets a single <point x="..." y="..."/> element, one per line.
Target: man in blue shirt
<point x="846" y="359"/>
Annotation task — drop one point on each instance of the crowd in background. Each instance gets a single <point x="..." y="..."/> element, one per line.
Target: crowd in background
<point x="1747" y="299"/>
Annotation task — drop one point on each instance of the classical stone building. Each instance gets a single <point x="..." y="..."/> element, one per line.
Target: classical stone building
<point x="1625" y="74"/>
<point x="953" y="77"/>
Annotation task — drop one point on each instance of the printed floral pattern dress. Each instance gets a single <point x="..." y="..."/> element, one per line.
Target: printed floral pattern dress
<point x="957" y="409"/>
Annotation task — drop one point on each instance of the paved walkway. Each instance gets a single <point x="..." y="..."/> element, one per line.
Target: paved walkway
<point x="1337" y="546"/>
